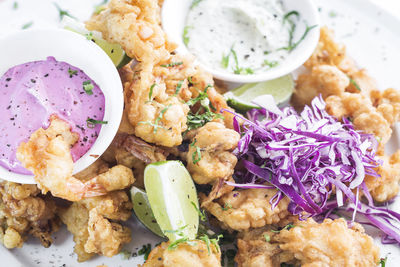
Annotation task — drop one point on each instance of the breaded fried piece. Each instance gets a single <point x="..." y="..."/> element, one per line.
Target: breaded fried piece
<point x="212" y="147"/>
<point x="241" y="210"/>
<point x="330" y="243"/>
<point x="47" y="154"/>
<point x="387" y="186"/>
<point x="23" y="212"/>
<point x="195" y="254"/>
<point x="89" y="220"/>
<point x="135" y="25"/>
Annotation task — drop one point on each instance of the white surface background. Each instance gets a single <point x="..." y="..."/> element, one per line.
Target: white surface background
<point x="372" y="39"/>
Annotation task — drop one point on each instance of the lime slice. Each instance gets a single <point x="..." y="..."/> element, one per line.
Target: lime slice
<point x="114" y="51"/>
<point x="242" y="97"/>
<point x="171" y="192"/>
<point x="142" y="209"/>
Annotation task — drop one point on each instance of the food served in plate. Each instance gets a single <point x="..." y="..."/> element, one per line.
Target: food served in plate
<point x="275" y="180"/>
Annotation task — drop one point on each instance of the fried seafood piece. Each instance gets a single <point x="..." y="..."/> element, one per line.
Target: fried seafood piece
<point x="387" y="186"/>
<point x="331" y="243"/>
<point x="47" y="155"/>
<point x="241" y="210"/>
<point x="195" y="254"/>
<point x="135" y="25"/>
<point x="212" y="148"/>
<point x="23" y="212"/>
<point x="94" y="222"/>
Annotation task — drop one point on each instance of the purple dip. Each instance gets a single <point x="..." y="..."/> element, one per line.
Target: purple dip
<point x="30" y="93"/>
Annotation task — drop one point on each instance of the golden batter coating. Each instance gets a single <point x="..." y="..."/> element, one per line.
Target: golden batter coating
<point x="195" y="254"/>
<point x="242" y="210"/>
<point x="331" y="243"/>
<point x="23" y="212"/>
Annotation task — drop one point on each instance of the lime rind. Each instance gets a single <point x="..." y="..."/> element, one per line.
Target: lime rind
<point x="241" y="98"/>
<point x="171" y="191"/>
<point x="114" y="51"/>
<point x="143" y="212"/>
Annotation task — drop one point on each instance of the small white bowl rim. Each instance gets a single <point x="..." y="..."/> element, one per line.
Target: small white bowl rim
<point x="311" y="39"/>
<point x="85" y="55"/>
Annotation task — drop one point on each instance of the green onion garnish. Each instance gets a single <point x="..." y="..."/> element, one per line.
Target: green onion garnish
<point x="91" y="123"/>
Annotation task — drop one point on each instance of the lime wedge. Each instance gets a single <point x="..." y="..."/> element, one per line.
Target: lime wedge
<point x="142" y="209"/>
<point x="114" y="51"/>
<point x="171" y="192"/>
<point x="242" y="97"/>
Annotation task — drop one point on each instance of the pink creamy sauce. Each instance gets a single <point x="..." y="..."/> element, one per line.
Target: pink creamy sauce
<point x="30" y="93"/>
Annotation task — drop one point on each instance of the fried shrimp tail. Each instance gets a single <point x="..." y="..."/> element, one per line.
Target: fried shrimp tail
<point x="47" y="155"/>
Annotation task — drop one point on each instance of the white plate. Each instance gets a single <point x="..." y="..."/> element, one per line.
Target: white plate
<point x="371" y="35"/>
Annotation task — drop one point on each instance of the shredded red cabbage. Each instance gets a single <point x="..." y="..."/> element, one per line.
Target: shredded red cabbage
<point x="310" y="157"/>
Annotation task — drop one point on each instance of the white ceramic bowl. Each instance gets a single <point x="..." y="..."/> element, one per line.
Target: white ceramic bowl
<point x="75" y="49"/>
<point x="174" y="13"/>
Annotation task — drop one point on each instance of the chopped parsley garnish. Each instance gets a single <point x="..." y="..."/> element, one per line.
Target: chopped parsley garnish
<point x="156" y="125"/>
<point x="209" y="241"/>
<point x="227" y="206"/>
<point x="195" y="3"/>
<point x="287" y="18"/>
<point x="91" y="123"/>
<point x="89" y="36"/>
<point x="236" y="69"/>
<point x="353" y="82"/>
<point x="15" y="5"/>
<point x="27" y="25"/>
<point x="382" y="262"/>
<point x="172" y="64"/>
<point x="178" y="87"/>
<point x="202" y="215"/>
<point x="88" y="87"/>
<point x="72" y="73"/>
<point x="267" y="237"/>
<point x="185" y="35"/>
<point x="145" y="250"/>
<point x="62" y="12"/>
<point x="151" y="91"/>
<point x="204" y="114"/>
<point x="271" y="64"/>
<point x="196" y="156"/>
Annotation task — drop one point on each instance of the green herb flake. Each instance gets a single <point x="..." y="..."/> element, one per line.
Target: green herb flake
<point x="89" y="36"/>
<point x="383" y="261"/>
<point x="332" y="14"/>
<point x="353" y="82"/>
<point x="227" y="206"/>
<point x="201" y="213"/>
<point x="172" y="64"/>
<point x="287" y="227"/>
<point x="185" y="35"/>
<point x="209" y="241"/>
<point x="225" y="60"/>
<point x="126" y="255"/>
<point x="178" y="87"/>
<point x="267" y="237"/>
<point x="88" y="87"/>
<point x="195" y="3"/>
<point x="196" y="156"/>
<point x="62" y="12"/>
<point x="151" y="91"/>
<point x="145" y="250"/>
<point x="72" y="73"/>
<point x="161" y="115"/>
<point x="15" y="5"/>
<point x="91" y="123"/>
<point x="271" y="64"/>
<point x="27" y="25"/>
<point x="177" y="242"/>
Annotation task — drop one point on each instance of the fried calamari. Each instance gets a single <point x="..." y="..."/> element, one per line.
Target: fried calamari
<point x="195" y="254"/>
<point x="331" y="243"/>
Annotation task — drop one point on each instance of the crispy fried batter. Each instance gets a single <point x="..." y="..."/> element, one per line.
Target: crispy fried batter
<point x="216" y="143"/>
<point x="47" y="155"/>
<point x="331" y="243"/>
<point x="387" y="186"/>
<point x="89" y="221"/>
<point x="194" y="254"/>
<point x="250" y="208"/>
<point x="25" y="212"/>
